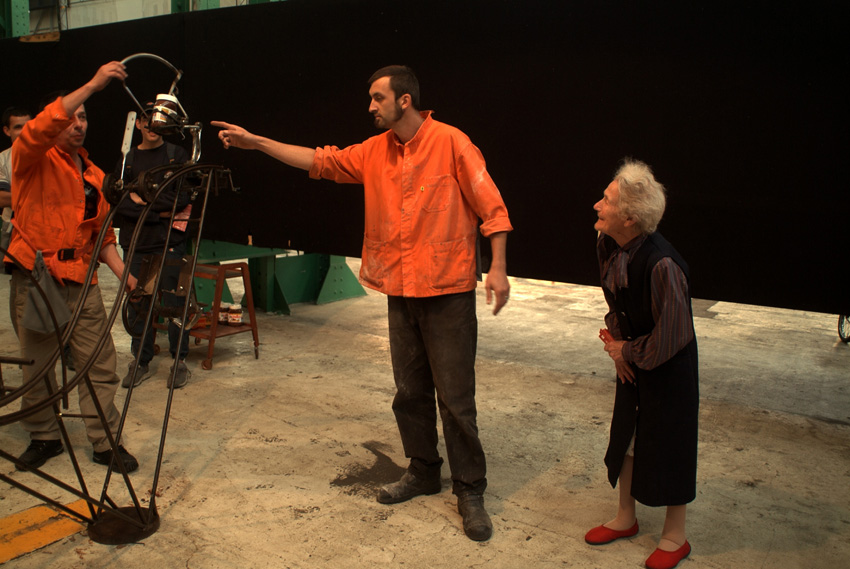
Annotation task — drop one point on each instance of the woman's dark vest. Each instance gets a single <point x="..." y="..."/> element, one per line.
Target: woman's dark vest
<point x="661" y="408"/>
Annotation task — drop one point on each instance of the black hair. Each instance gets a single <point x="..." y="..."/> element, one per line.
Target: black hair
<point x="14" y="112"/>
<point x="403" y="81"/>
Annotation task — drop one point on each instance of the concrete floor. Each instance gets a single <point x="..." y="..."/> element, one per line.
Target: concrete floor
<point x="275" y="462"/>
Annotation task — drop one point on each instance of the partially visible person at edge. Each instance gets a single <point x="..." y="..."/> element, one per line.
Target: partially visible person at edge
<point x="150" y="153"/>
<point x="426" y="186"/>
<point x="59" y="208"/>
<point x="652" y="450"/>
<point x="14" y="119"/>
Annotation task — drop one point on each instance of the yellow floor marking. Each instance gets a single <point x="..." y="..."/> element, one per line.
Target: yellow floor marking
<point x="37" y="527"/>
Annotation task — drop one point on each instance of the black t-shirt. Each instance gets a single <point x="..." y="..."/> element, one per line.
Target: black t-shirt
<point x="156" y="228"/>
<point x="144" y="160"/>
<point x="91" y="200"/>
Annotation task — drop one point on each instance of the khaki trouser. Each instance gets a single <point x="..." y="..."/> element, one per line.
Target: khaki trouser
<point x="39" y="347"/>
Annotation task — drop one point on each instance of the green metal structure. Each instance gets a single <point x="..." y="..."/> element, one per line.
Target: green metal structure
<point x="280" y="277"/>
<point x="14" y="18"/>
<point x="15" y="14"/>
<point x="189" y="5"/>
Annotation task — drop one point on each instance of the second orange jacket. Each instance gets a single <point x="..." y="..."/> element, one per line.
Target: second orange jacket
<point x="49" y="197"/>
<point x="423" y="200"/>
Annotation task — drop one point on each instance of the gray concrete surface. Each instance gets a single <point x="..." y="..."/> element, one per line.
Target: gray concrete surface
<point x="275" y="462"/>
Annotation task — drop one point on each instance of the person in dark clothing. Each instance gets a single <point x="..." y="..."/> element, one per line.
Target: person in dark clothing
<point x="653" y="443"/>
<point x="14" y="119"/>
<point x="151" y="153"/>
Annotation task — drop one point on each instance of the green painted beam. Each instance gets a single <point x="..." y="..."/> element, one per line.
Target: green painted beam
<point x="280" y="278"/>
<point x="178" y="6"/>
<point x="14" y="18"/>
<point x="339" y="282"/>
<point x="268" y="294"/>
<point x="212" y="251"/>
<point x="300" y="277"/>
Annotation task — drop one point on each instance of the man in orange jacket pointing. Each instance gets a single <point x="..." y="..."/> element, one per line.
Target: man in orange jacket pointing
<point x="426" y="186"/>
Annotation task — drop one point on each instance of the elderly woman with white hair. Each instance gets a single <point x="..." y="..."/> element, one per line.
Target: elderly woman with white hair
<point x="652" y="450"/>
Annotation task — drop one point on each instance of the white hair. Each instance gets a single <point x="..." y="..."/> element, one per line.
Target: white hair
<point x="641" y="195"/>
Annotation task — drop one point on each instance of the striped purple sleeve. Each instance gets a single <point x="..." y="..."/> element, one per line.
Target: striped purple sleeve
<point x="673" y="323"/>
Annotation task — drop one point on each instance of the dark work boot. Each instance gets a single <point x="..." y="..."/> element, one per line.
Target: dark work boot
<point x="476" y="523"/>
<point x="105" y="457"/>
<point x="39" y="452"/>
<point x="408" y="487"/>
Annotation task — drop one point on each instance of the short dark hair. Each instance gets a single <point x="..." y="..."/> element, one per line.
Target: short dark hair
<point x="14" y="112"/>
<point x="403" y="81"/>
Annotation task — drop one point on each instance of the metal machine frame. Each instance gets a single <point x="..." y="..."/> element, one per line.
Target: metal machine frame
<point x="108" y="522"/>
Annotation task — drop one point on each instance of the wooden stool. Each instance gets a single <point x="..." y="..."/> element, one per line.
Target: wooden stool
<point x="219" y="273"/>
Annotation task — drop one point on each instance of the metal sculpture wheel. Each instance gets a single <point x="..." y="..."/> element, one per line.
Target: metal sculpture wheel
<point x="844" y="328"/>
<point x="109" y="523"/>
<point x="134" y="310"/>
<point x="145" y="185"/>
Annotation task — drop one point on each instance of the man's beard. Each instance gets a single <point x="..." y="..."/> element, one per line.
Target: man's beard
<point x="384" y="122"/>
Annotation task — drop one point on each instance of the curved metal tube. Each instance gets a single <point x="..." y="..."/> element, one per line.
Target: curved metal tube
<point x="177" y="74"/>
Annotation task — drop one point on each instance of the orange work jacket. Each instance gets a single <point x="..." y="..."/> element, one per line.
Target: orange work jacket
<point x="49" y="198"/>
<point x="423" y="200"/>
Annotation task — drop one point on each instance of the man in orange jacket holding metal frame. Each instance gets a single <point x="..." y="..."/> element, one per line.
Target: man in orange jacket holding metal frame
<point x="59" y="210"/>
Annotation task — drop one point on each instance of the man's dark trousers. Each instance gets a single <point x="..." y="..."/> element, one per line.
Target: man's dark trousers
<point x="433" y="343"/>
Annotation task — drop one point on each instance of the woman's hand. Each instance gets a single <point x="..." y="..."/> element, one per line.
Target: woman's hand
<point x="625" y="372"/>
<point x="624" y="369"/>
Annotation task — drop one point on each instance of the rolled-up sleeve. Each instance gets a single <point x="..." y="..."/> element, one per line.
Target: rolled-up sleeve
<point x="481" y="192"/>
<point x="342" y="166"/>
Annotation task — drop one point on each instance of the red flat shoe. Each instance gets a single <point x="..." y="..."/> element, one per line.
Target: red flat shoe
<point x="601" y="535"/>
<point x="661" y="559"/>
